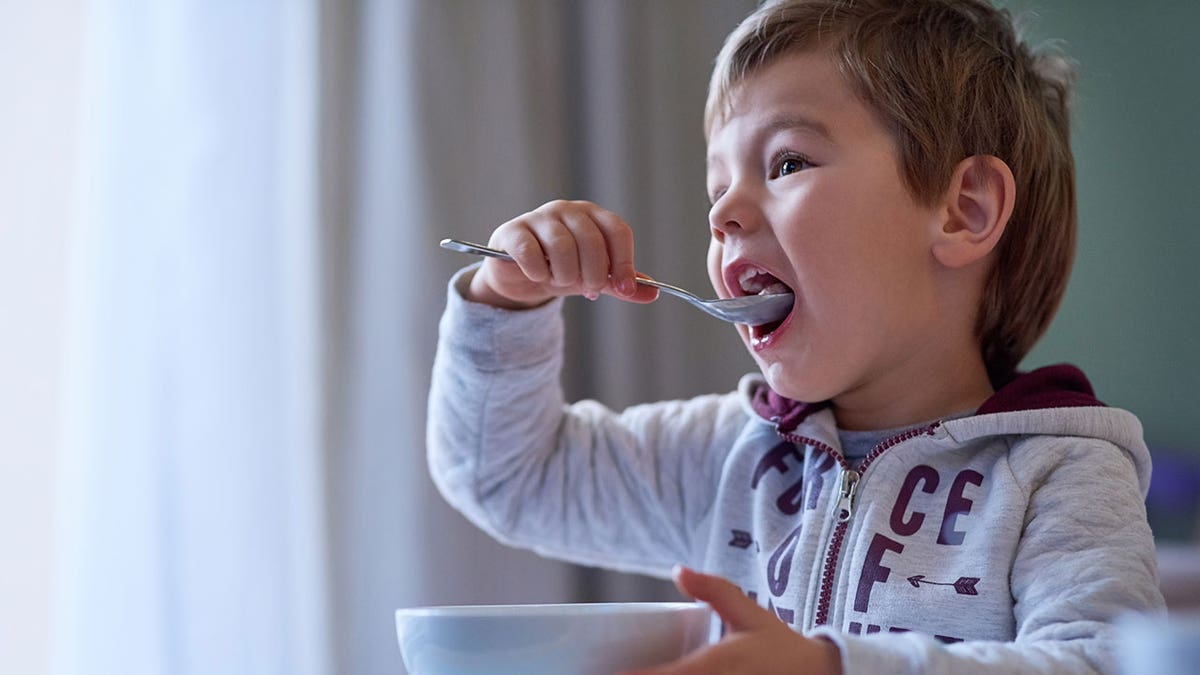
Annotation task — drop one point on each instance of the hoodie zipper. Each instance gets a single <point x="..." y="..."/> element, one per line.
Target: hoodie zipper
<point x="850" y="480"/>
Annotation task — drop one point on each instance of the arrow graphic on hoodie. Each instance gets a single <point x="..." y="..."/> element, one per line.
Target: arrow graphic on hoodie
<point x="963" y="586"/>
<point x="741" y="539"/>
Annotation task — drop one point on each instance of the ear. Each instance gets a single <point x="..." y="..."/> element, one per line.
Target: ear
<point x="979" y="203"/>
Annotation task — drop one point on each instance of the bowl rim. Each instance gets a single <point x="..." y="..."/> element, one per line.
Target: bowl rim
<point x="550" y="609"/>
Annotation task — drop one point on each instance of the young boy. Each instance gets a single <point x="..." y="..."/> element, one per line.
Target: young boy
<point x="890" y="495"/>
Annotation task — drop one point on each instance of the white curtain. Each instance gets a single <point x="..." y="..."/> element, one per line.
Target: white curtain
<point x="192" y="504"/>
<point x="256" y="285"/>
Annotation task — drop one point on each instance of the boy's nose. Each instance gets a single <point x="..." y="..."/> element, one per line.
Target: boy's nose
<point x="735" y="213"/>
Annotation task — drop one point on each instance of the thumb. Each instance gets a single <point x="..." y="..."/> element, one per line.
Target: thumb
<point x="739" y="612"/>
<point x="639" y="293"/>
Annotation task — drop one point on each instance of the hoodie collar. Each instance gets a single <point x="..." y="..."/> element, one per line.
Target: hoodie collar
<point x="1057" y="386"/>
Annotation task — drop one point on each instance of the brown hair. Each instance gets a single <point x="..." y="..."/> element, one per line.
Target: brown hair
<point x="949" y="79"/>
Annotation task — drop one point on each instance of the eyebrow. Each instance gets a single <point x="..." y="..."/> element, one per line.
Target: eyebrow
<point x="788" y="122"/>
<point x="794" y="121"/>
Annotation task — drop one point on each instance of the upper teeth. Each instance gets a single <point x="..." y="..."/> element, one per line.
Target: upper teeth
<point x="756" y="280"/>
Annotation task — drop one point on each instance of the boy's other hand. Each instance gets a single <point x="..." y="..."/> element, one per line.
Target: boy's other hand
<point x="561" y="248"/>
<point x="756" y="640"/>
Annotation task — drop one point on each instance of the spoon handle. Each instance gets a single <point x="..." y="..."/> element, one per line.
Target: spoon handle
<point x="750" y="310"/>
<point x="478" y="249"/>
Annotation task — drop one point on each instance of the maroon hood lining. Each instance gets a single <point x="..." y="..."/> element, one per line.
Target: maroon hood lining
<point x="1057" y="386"/>
<point x="785" y="413"/>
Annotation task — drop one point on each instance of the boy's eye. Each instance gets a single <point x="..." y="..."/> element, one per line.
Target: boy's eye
<point x="788" y="163"/>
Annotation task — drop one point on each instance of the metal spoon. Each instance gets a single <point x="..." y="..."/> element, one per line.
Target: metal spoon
<point x="751" y="310"/>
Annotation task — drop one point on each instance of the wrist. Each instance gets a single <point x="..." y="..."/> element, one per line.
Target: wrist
<point x="477" y="289"/>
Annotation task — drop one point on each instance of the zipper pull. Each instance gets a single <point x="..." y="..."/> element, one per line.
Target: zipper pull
<point x="846" y="496"/>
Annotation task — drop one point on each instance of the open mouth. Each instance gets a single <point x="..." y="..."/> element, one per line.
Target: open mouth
<point x="753" y="280"/>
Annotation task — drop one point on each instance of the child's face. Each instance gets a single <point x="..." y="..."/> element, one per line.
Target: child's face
<point x="807" y="187"/>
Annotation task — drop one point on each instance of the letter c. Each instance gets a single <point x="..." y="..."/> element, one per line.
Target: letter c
<point x="928" y="477"/>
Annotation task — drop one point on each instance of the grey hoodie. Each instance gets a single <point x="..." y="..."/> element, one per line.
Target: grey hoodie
<point x="1005" y="541"/>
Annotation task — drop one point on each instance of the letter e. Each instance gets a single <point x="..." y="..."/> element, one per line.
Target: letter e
<point x="957" y="505"/>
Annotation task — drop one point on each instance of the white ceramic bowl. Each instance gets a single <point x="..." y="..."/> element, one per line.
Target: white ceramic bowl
<point x="534" y="639"/>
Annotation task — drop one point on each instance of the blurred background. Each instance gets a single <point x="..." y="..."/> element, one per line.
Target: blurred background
<point x="219" y="287"/>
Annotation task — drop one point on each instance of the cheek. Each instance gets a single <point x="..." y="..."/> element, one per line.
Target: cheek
<point x="715" y="251"/>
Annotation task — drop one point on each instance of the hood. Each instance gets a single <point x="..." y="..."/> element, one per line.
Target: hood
<point x="1055" y="400"/>
<point x="1060" y="386"/>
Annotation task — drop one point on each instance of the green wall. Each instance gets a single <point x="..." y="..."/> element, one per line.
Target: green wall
<point x="1130" y="316"/>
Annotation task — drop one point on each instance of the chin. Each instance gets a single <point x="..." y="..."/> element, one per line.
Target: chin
<point x="791" y="379"/>
<point x="784" y="382"/>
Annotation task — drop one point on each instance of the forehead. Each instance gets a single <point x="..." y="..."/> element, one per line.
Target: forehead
<point x="801" y="90"/>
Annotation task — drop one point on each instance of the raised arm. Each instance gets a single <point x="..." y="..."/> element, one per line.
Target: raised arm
<point x="579" y="482"/>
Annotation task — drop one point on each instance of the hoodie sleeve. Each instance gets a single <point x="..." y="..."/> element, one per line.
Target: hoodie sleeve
<point x="578" y="482"/>
<point x="1085" y="557"/>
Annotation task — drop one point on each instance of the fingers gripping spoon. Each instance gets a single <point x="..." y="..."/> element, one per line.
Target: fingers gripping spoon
<point x="751" y="310"/>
